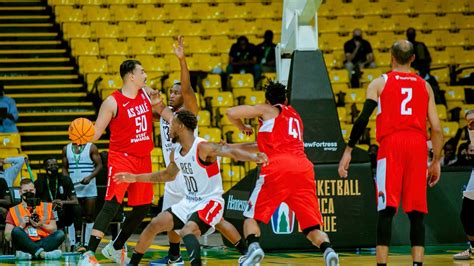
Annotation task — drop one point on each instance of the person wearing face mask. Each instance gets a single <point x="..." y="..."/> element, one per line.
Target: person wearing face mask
<point x="359" y="55"/>
<point x="58" y="189"/>
<point x="467" y="209"/>
<point x="31" y="227"/>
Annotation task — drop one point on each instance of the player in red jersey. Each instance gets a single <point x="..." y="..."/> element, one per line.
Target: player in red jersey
<point x="288" y="177"/>
<point x="128" y="112"/>
<point x="404" y="102"/>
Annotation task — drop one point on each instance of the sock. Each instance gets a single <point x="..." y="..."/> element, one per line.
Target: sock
<point x="94" y="242"/>
<point x="241" y="247"/>
<point x="88" y="232"/>
<point x="417" y="263"/>
<point x="136" y="258"/>
<point x="174" y="249"/>
<point x="252" y="238"/>
<point x="381" y="264"/>
<point x="71" y="232"/>
<point x="194" y="249"/>
<point x="324" y="246"/>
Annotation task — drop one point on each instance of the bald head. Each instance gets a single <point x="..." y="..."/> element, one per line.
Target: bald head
<point x="403" y="52"/>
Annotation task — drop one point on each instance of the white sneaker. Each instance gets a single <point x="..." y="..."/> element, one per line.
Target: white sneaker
<point x="118" y="256"/>
<point x="254" y="255"/>
<point x="330" y="257"/>
<point x="20" y="255"/>
<point x="465" y="255"/>
<point x="88" y="259"/>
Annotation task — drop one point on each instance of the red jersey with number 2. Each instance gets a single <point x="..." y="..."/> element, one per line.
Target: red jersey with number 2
<point x="131" y="128"/>
<point x="282" y="135"/>
<point x="402" y="105"/>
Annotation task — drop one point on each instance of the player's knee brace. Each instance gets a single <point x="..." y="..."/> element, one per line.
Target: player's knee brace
<point x="467" y="217"/>
<point x="417" y="228"/>
<point x="106" y="215"/>
<point x="384" y="226"/>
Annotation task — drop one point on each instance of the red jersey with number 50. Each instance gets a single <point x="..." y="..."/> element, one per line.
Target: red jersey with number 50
<point x="282" y="135"/>
<point x="131" y="128"/>
<point x="402" y="105"/>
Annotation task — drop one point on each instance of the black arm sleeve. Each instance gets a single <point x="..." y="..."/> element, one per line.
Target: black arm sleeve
<point x="361" y="123"/>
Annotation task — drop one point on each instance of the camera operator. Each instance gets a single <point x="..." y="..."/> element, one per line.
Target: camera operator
<point x="31" y="226"/>
<point x="58" y="189"/>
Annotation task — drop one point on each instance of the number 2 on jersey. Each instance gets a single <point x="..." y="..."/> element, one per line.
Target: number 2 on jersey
<point x="409" y="94"/>
<point x="294" y="128"/>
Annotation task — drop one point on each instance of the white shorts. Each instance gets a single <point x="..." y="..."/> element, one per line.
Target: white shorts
<point x="469" y="192"/>
<point x="86" y="191"/>
<point x="174" y="192"/>
<point x="209" y="211"/>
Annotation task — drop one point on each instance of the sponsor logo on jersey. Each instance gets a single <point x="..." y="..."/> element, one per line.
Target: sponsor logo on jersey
<point x="283" y="220"/>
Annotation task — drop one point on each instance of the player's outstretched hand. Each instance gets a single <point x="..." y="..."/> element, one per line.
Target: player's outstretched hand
<point x="344" y="163"/>
<point x="434" y="173"/>
<point x="247" y="130"/>
<point x="262" y="158"/>
<point x="179" y="49"/>
<point x="125" y="178"/>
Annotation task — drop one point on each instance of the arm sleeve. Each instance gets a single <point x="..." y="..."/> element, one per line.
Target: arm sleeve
<point x="12" y="172"/>
<point x="12" y="110"/>
<point x="361" y="123"/>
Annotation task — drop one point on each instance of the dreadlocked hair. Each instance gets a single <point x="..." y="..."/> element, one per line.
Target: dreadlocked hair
<point x="275" y="92"/>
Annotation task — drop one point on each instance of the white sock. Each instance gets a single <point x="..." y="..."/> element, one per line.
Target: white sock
<point x="71" y="232"/>
<point x="88" y="233"/>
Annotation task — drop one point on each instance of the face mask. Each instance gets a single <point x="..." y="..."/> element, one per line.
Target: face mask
<point x="358" y="38"/>
<point x="28" y="195"/>
<point x="53" y="170"/>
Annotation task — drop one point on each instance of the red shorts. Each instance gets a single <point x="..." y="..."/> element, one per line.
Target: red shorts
<point x="289" y="180"/>
<point x="402" y="171"/>
<point x="138" y="193"/>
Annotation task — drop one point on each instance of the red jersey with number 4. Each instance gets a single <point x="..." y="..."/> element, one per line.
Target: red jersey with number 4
<point x="282" y="135"/>
<point x="402" y="105"/>
<point x="131" y="128"/>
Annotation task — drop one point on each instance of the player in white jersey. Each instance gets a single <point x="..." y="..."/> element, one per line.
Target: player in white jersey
<point x="82" y="163"/>
<point x="182" y="97"/>
<point x="202" y="207"/>
<point x="467" y="217"/>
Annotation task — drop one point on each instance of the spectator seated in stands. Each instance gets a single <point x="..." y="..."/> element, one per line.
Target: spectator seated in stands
<point x="359" y="55"/>
<point x="58" y="189"/>
<point x="5" y="200"/>
<point x="266" y="53"/>
<point x="422" y="55"/>
<point x="465" y="155"/>
<point x="11" y="173"/>
<point x="8" y="113"/>
<point x="449" y="157"/>
<point x="243" y="59"/>
<point x="31" y="226"/>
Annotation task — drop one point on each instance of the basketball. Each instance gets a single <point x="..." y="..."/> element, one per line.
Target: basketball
<point x="81" y="131"/>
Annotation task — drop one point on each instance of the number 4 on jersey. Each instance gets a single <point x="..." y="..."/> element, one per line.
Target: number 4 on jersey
<point x="294" y="128"/>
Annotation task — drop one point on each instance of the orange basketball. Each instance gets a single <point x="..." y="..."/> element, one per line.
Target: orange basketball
<point x="81" y="131"/>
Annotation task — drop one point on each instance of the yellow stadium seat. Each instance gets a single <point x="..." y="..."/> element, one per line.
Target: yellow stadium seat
<point x="369" y="74"/>
<point x="172" y="63"/>
<point x="114" y="62"/>
<point x="104" y="30"/>
<point x="151" y="12"/>
<point x="61" y="2"/>
<point x="90" y="2"/>
<point x="338" y="87"/>
<point x="441" y="75"/>
<point x="355" y="96"/>
<point x="198" y="45"/>
<point x="236" y="136"/>
<point x="210" y="134"/>
<point x="124" y="13"/>
<point x="232" y="172"/>
<point x="240" y="94"/>
<point x="346" y="131"/>
<point x="268" y="76"/>
<point x="233" y="11"/>
<point x="68" y="14"/>
<point x="190" y="28"/>
<point x="265" y="10"/>
<point x="224" y="28"/>
<point x="10" y="141"/>
<point x="113" y="47"/>
<point x="465" y="108"/>
<point x="208" y="62"/>
<point x="222" y="99"/>
<point x="162" y="29"/>
<point x="111" y="82"/>
<point x="241" y="81"/>
<point x="342" y="114"/>
<point x="464" y="57"/>
<point x="243" y="27"/>
<point x="95" y="66"/>
<point x="164" y="45"/>
<point x="94" y="13"/>
<point x="75" y="30"/>
<point x="204" y="118"/>
<point x="205" y="11"/>
<point x="179" y="12"/>
<point x="441" y="58"/>
<point x="339" y="76"/>
<point x="255" y="97"/>
<point x="151" y="63"/>
<point x="132" y="29"/>
<point x="269" y="24"/>
<point x="450" y="129"/>
<point x="454" y="93"/>
<point x="441" y="110"/>
<point x="86" y="48"/>
<point x="330" y="60"/>
<point x="212" y="81"/>
<point x="454" y="39"/>
<point x="221" y="117"/>
<point x="223" y="43"/>
<point x="139" y="46"/>
<point x="457" y="6"/>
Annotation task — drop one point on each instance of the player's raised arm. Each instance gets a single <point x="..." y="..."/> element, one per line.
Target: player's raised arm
<point x="434" y="170"/>
<point x="107" y="111"/>
<point x="168" y="174"/>
<point x="189" y="98"/>
<point x="237" y="113"/>
<point x="360" y="124"/>
<point x="209" y="151"/>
